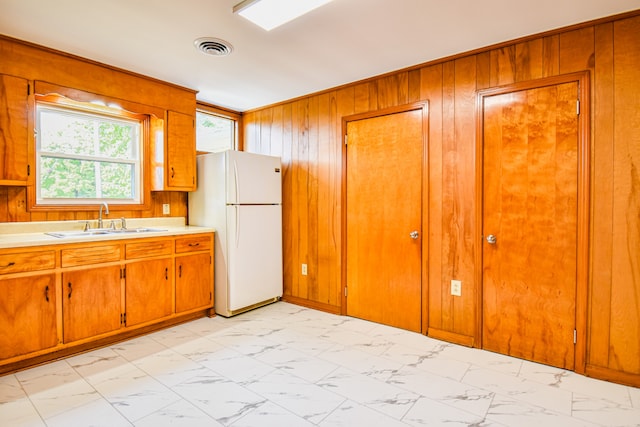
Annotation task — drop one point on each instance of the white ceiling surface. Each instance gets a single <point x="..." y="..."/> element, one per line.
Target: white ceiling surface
<point x="341" y="42"/>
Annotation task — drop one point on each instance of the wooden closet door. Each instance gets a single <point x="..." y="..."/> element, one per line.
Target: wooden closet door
<point x="384" y="217"/>
<point x="530" y="168"/>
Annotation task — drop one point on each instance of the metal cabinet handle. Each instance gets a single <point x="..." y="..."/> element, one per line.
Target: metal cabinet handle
<point x="46" y="293"/>
<point x="414" y="234"/>
<point x="491" y="239"/>
<point x="70" y="289"/>
<point x="166" y="273"/>
<point x="180" y="271"/>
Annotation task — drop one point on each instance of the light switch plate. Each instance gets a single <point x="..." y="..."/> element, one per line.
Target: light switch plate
<point x="304" y="269"/>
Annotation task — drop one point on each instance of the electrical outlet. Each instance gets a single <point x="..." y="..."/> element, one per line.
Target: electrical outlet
<point x="304" y="269"/>
<point x="166" y="209"/>
<point x="456" y="288"/>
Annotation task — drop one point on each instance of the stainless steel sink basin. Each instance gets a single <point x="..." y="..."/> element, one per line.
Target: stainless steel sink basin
<point x="101" y="232"/>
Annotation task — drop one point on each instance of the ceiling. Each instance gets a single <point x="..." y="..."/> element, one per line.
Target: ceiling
<point x="341" y="42"/>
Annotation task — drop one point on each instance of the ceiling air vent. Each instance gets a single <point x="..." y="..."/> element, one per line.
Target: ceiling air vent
<point x="213" y="46"/>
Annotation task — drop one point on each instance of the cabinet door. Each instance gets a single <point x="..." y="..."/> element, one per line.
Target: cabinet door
<point x="14" y="110"/>
<point x="148" y="292"/>
<point x="181" y="152"/>
<point x="91" y="302"/>
<point x="27" y="315"/>
<point x="194" y="282"/>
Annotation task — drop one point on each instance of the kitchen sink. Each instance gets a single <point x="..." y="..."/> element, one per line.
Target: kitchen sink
<point x="135" y="230"/>
<point x="101" y="232"/>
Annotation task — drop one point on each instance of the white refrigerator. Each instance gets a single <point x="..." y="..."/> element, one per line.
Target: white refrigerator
<point x="240" y="195"/>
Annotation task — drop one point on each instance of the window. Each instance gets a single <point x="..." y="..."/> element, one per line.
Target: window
<point x="214" y="132"/>
<point x="87" y="154"/>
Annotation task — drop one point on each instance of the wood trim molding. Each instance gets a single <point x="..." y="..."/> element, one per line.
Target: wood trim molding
<point x="311" y="304"/>
<point x="451" y="337"/>
<point x="606" y="374"/>
<point x="583" y="200"/>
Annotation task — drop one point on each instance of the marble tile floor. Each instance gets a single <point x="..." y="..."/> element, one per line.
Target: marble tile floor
<point x="286" y="366"/>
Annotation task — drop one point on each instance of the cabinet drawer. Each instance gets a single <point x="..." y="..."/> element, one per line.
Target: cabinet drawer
<point x="148" y="249"/>
<point x="192" y="244"/>
<point x="27" y="261"/>
<point x="90" y="255"/>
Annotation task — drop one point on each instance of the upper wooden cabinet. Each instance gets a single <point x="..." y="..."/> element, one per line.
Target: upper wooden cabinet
<point x="14" y="121"/>
<point x="174" y="159"/>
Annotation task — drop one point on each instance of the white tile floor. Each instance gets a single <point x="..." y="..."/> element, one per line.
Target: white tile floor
<point x="284" y="365"/>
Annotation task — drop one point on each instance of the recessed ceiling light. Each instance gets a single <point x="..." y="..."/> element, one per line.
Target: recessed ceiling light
<point x="270" y="14"/>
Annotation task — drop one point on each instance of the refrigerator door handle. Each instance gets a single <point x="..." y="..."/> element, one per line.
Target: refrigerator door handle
<point x="235" y="208"/>
<point x="237" y="183"/>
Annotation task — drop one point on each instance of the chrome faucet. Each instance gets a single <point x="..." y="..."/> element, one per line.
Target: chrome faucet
<point x="106" y="206"/>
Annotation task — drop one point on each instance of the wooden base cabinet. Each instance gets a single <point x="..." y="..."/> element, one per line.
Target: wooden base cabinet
<point x="91" y="303"/>
<point x="148" y="293"/>
<point x="57" y="300"/>
<point x="194" y="282"/>
<point x="194" y="272"/>
<point x="27" y="315"/>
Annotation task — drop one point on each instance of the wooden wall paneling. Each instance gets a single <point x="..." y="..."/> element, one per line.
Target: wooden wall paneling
<point x="503" y="66"/>
<point x="602" y="203"/>
<point x="302" y="191"/>
<point x="335" y="194"/>
<point x="392" y="90"/>
<point x="387" y="91"/>
<point x="449" y="220"/>
<point x="253" y="142"/>
<point x="449" y="88"/>
<point x="312" y="198"/>
<point x="345" y="106"/>
<point x="289" y="233"/>
<point x="413" y="95"/>
<point x="250" y="124"/>
<point x="362" y="97"/>
<point x="403" y="88"/>
<point x="550" y="56"/>
<point x="464" y="199"/>
<point x="293" y="191"/>
<point x="60" y="216"/>
<point x="4" y="204"/>
<point x="266" y="123"/>
<point x="17" y="201"/>
<point x="625" y="319"/>
<point x="373" y="95"/>
<point x="529" y="60"/>
<point x="576" y="50"/>
<point x="431" y="90"/>
<point x="324" y="261"/>
<point x="483" y="70"/>
<point x="276" y="127"/>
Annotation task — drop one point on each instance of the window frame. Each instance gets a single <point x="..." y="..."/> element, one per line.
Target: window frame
<point x="89" y="102"/>
<point x="234" y="116"/>
<point x="100" y="113"/>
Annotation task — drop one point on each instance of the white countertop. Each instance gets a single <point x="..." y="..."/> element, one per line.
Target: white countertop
<point x="24" y="234"/>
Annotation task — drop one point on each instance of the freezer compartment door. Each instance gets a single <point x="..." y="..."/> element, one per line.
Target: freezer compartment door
<point x="254" y="234"/>
<point x="253" y="178"/>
